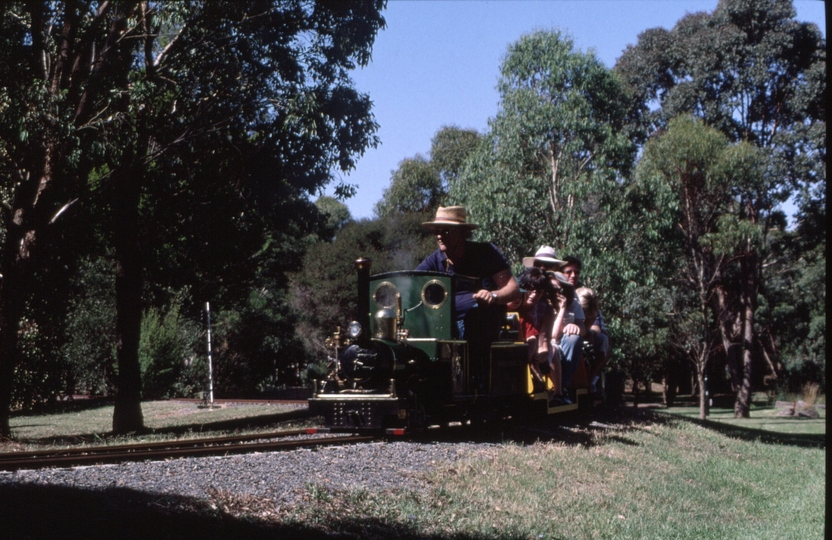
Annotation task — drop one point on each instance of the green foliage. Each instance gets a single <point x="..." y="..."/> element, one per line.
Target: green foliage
<point x="776" y="65"/>
<point x="167" y="354"/>
<point x="337" y="215"/>
<point x="194" y="134"/>
<point x="421" y="185"/>
<point x="752" y="72"/>
<point x="449" y="150"/>
<point x="254" y="345"/>
<point x="639" y="325"/>
<point x="414" y="187"/>
<point x="89" y="349"/>
<point x="793" y="310"/>
<point x="554" y="150"/>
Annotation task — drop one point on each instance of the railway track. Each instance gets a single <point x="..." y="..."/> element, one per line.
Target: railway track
<point x="215" y="446"/>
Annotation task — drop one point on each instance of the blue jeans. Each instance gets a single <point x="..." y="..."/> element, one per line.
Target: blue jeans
<point x="572" y="347"/>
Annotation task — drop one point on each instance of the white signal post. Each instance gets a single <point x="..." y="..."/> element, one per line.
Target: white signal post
<point x="210" y="400"/>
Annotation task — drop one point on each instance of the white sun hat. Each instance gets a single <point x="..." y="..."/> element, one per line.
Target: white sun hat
<point x="546" y="255"/>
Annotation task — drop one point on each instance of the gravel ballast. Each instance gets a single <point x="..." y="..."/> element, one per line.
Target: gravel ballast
<point x="282" y="477"/>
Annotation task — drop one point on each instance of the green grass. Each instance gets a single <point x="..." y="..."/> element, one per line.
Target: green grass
<point x="634" y="473"/>
<point x="164" y="420"/>
<point x="646" y="479"/>
<point x="762" y="418"/>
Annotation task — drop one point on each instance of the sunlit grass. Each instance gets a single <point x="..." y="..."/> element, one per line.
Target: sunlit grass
<point x="653" y="480"/>
<point x="636" y="476"/>
<point x="762" y="418"/>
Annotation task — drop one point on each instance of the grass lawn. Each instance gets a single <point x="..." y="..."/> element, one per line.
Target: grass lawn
<point x="164" y="420"/>
<point x="763" y="418"/>
<point x="638" y="476"/>
<point x="633" y="473"/>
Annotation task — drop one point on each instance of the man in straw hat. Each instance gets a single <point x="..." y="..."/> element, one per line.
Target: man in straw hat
<point x="491" y="282"/>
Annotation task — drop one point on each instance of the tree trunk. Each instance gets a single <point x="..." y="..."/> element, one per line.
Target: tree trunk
<point x="22" y="222"/>
<point x="703" y="398"/>
<point x="748" y="267"/>
<point x="12" y="298"/>
<point x="730" y="327"/>
<point x="127" y="414"/>
<point x="635" y="393"/>
<point x="670" y="382"/>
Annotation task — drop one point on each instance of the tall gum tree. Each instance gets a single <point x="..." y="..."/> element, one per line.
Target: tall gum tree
<point x="683" y="190"/>
<point x="753" y="72"/>
<point x="138" y="91"/>
<point x="421" y="184"/>
<point x="559" y="135"/>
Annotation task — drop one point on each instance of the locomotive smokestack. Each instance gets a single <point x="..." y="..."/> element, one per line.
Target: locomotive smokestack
<point x="362" y="266"/>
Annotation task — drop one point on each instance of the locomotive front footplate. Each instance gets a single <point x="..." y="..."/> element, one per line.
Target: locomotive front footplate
<point x="344" y="412"/>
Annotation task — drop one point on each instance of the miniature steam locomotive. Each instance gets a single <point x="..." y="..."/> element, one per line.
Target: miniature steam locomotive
<point x="400" y="366"/>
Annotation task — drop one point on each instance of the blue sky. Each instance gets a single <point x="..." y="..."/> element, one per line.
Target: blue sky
<point x="437" y="61"/>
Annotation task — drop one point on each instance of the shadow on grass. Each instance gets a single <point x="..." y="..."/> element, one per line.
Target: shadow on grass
<point x="584" y="429"/>
<point x="813" y="440"/>
<point x="37" y="511"/>
<point x="58" y="407"/>
<point x="575" y="428"/>
<point x="265" y="420"/>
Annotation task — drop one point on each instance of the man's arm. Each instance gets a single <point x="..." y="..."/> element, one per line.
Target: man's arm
<point x="578" y="327"/>
<point x="507" y="291"/>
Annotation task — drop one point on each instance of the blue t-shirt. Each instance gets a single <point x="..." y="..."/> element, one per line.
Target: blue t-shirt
<point x="482" y="261"/>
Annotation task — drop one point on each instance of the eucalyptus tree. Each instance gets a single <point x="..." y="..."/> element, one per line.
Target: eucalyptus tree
<point x="336" y="214"/>
<point x="558" y="143"/>
<point x="415" y="187"/>
<point x="683" y="190"/>
<point x="122" y="101"/>
<point x="753" y="72"/>
<point x="421" y="184"/>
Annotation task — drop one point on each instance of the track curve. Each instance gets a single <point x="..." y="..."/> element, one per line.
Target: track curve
<point x="97" y="455"/>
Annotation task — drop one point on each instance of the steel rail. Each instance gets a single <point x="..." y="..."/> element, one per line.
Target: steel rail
<point x="173" y="443"/>
<point x="163" y="450"/>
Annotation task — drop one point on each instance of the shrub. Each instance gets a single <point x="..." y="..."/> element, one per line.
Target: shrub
<point x="166" y="354"/>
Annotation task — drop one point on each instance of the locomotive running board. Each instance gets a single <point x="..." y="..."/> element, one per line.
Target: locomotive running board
<point x="544" y="396"/>
<point x="354" y="397"/>
<point x="318" y="430"/>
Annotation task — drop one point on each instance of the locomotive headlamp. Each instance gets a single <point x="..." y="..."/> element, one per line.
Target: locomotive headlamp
<point x="354" y="330"/>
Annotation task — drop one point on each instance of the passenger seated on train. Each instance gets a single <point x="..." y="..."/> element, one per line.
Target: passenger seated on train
<point x="490" y="282"/>
<point x="536" y="317"/>
<point x="596" y="329"/>
<point x="567" y="329"/>
<point x="544" y="258"/>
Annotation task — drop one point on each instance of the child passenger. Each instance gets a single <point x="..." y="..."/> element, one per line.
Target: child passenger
<point x="596" y="333"/>
<point x="536" y="316"/>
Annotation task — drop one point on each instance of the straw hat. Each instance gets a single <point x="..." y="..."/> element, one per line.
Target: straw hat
<point x="450" y="216"/>
<point x="545" y="255"/>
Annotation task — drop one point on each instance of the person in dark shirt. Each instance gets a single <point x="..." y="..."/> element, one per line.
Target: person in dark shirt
<point x="486" y="278"/>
